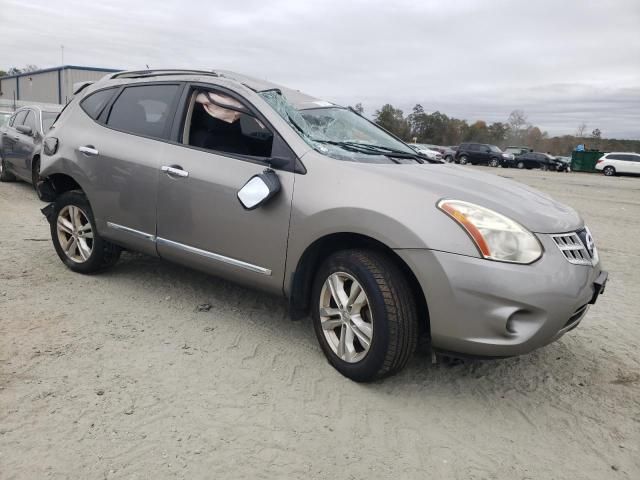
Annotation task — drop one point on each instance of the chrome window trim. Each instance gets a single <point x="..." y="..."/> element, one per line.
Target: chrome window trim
<point x="214" y="256"/>
<point x="133" y="231"/>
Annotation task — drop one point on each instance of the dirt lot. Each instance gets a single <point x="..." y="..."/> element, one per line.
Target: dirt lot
<point x="119" y="375"/>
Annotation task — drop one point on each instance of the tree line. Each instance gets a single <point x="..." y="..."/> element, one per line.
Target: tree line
<point x="440" y="129"/>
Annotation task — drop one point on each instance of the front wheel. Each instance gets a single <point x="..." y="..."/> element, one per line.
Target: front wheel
<point x="609" y="171"/>
<point x="520" y="165"/>
<point x="494" y="163"/>
<point x="75" y="238"/>
<point x="463" y="160"/>
<point x="364" y="314"/>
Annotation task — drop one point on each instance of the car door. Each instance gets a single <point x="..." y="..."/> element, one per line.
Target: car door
<point x="24" y="146"/>
<point x="201" y="222"/>
<point x="10" y="137"/>
<point x="120" y="152"/>
<point x="634" y="163"/>
<point x="473" y="150"/>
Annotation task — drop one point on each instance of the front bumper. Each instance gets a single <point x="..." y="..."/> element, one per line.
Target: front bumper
<point x="486" y="308"/>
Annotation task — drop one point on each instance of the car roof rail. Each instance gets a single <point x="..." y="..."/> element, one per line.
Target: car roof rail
<point x="161" y="72"/>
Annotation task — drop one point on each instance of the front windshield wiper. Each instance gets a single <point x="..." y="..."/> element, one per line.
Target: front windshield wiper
<point x="371" y="149"/>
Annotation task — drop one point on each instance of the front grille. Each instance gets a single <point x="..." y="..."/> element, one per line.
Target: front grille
<point x="577" y="247"/>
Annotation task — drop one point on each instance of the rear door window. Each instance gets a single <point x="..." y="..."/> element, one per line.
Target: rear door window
<point x="145" y="110"/>
<point x="95" y="103"/>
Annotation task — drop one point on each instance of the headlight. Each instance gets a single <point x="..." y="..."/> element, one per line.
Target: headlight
<point x="496" y="236"/>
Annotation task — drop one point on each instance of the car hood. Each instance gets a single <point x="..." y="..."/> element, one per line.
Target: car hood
<point x="531" y="208"/>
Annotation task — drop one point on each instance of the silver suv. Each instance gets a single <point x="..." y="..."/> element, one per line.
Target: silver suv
<point x="287" y="193"/>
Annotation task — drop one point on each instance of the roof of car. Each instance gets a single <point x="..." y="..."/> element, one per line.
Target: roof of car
<point x="623" y="153"/>
<point x="298" y="99"/>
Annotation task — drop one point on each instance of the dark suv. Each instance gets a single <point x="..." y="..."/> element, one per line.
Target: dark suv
<point x="481" y="154"/>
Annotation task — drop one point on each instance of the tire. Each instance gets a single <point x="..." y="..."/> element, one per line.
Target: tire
<point x="35" y="171"/>
<point x="494" y="163"/>
<point x="609" y="171"/>
<point x="5" y="175"/>
<point x="448" y="159"/>
<point x="463" y="160"/>
<point x="389" y="314"/>
<point x="520" y="165"/>
<point x="91" y="252"/>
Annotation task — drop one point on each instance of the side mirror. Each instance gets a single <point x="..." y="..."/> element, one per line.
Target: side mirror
<point x="24" y="129"/>
<point x="259" y="189"/>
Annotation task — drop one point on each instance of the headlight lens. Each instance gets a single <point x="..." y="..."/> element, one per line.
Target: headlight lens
<point x="496" y="236"/>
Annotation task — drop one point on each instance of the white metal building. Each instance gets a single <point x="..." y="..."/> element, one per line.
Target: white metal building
<point x="48" y="86"/>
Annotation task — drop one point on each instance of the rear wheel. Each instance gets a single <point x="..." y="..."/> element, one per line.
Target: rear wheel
<point x="75" y="238"/>
<point x="609" y="171"/>
<point x="5" y="175"/>
<point x="448" y="159"/>
<point x="364" y="314"/>
<point x="463" y="160"/>
<point x="520" y="165"/>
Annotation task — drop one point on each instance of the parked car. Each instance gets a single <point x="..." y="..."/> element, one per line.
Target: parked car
<point x="515" y="151"/>
<point x="426" y="151"/>
<point x="375" y="243"/>
<point x="448" y="154"/>
<point x="481" y="154"/>
<point x="564" y="164"/>
<point x="531" y="160"/>
<point x="21" y="142"/>
<point x="4" y="117"/>
<point x="615" y="163"/>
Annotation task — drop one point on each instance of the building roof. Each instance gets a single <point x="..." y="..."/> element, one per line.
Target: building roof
<point x="63" y="67"/>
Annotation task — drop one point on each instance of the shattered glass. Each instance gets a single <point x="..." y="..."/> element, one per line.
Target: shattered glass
<point x="338" y="132"/>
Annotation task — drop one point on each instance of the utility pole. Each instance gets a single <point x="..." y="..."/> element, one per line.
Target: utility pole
<point x="62" y="54"/>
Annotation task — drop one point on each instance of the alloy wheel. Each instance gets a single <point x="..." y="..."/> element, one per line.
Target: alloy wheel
<point x="345" y="317"/>
<point x="75" y="233"/>
<point x="494" y="162"/>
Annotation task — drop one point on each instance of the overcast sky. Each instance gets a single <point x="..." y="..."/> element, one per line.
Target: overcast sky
<point x="563" y="62"/>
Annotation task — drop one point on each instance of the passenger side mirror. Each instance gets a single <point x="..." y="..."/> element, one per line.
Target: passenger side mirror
<point x="24" y="129"/>
<point x="259" y="189"/>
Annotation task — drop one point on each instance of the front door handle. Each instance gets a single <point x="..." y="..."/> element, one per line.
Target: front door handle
<point x="174" y="170"/>
<point x="88" y="150"/>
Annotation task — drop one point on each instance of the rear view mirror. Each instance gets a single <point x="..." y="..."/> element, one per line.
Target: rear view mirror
<point x="259" y="189"/>
<point x="24" y="129"/>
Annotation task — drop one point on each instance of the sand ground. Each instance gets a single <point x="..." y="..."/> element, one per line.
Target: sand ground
<point x="119" y="375"/>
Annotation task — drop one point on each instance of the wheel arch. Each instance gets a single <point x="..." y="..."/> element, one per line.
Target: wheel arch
<point x="55" y="184"/>
<point x="313" y="256"/>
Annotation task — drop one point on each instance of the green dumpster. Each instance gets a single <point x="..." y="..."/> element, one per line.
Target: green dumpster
<point x="585" y="161"/>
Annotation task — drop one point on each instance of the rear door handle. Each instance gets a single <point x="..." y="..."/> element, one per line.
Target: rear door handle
<point x="88" y="150"/>
<point x="174" y="170"/>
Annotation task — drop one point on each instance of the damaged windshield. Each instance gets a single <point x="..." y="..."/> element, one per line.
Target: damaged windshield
<point x="341" y="133"/>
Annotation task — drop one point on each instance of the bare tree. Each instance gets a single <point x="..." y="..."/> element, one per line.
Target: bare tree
<point x="517" y="124"/>
<point x="581" y="129"/>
